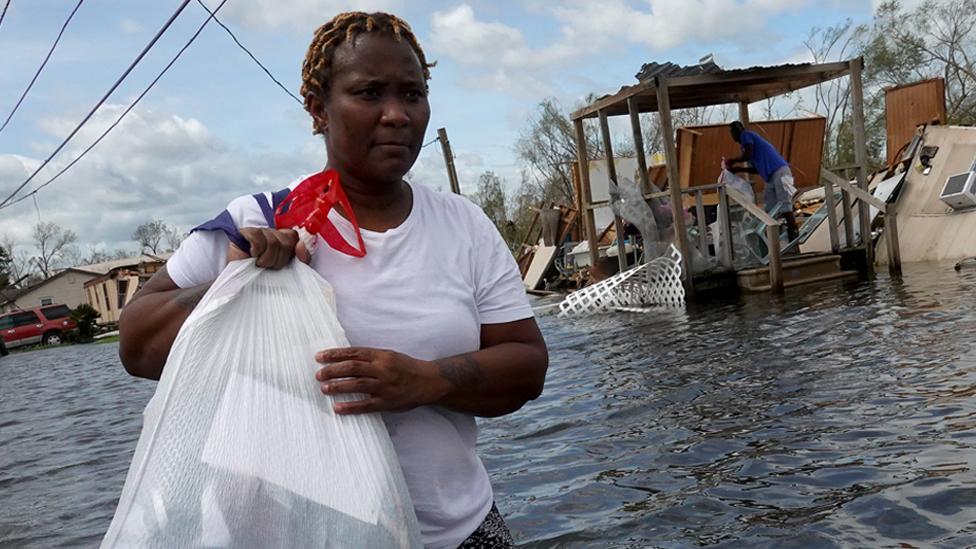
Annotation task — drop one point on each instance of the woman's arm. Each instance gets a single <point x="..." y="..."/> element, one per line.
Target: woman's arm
<point x="150" y="321"/>
<point x="507" y="372"/>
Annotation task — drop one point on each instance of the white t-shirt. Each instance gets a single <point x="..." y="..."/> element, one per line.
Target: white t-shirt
<point x="424" y="289"/>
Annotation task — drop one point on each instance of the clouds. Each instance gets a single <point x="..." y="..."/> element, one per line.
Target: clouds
<point x="154" y="165"/>
<point x="305" y="15"/>
<point x="498" y="56"/>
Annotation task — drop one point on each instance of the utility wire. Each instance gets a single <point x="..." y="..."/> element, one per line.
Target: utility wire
<point x="4" y="12"/>
<point x="41" y="68"/>
<point x="431" y="142"/>
<point x="100" y="101"/>
<point x="125" y="112"/>
<point x="251" y="55"/>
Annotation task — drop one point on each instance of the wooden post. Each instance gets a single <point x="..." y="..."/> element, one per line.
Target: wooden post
<point x="645" y="180"/>
<point x="702" y="227"/>
<point x="831" y="206"/>
<point x="744" y="118"/>
<point x="845" y="199"/>
<point x="618" y="224"/>
<point x="725" y="226"/>
<point x="861" y="157"/>
<point x="449" y="160"/>
<point x="775" y="261"/>
<point x="744" y="112"/>
<point x="674" y="183"/>
<point x="586" y="196"/>
<point x="891" y="237"/>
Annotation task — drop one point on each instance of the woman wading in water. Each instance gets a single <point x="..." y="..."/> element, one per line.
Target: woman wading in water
<point x="438" y="322"/>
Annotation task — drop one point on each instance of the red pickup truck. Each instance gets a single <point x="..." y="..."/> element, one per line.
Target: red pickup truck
<point x="45" y="325"/>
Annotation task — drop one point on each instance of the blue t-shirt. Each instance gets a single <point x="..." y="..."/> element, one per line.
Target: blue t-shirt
<point x="765" y="158"/>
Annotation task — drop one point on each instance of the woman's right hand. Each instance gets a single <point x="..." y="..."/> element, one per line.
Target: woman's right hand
<point x="271" y="248"/>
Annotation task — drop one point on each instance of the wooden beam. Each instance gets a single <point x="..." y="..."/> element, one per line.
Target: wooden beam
<point x="702" y="227"/>
<point x="775" y="261"/>
<point x="635" y="126"/>
<point x="449" y="160"/>
<point x="845" y="200"/>
<point x="750" y="206"/>
<point x="858" y="192"/>
<point x="831" y="204"/>
<point x="618" y="224"/>
<point x="861" y="155"/>
<point x="725" y="252"/>
<point x="671" y="158"/>
<point x="586" y="195"/>
<point x="592" y="110"/>
<point x="744" y="118"/>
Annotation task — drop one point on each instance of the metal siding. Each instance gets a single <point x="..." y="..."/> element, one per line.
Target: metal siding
<point x="805" y="137"/>
<point x="906" y="107"/>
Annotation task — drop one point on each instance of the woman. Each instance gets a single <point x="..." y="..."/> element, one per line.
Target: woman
<point x="439" y="324"/>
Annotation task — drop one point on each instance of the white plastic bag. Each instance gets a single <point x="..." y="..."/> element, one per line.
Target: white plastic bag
<point x="730" y="179"/>
<point x="239" y="447"/>
<point x="789" y="186"/>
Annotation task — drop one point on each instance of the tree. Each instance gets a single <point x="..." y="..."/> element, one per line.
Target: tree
<point x="19" y="267"/>
<point x="95" y="255"/>
<point x="149" y="235"/>
<point x="936" y="39"/>
<point x="833" y="98"/>
<point x="492" y="198"/>
<point x="548" y="147"/>
<point x="174" y="237"/>
<point x="4" y="268"/>
<point x="54" y="243"/>
<point x="85" y="316"/>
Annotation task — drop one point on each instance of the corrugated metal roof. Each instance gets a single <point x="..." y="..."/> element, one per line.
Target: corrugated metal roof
<point x="707" y="84"/>
<point x="106" y="266"/>
<point x="649" y="70"/>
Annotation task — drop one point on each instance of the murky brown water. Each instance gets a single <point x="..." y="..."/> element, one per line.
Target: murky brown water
<point x="838" y="416"/>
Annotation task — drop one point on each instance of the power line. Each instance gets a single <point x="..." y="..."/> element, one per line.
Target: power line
<point x="125" y="112"/>
<point x="4" y="12"/>
<point x="104" y="98"/>
<point x="251" y="55"/>
<point x="41" y="68"/>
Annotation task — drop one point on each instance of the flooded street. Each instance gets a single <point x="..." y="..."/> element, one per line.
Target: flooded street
<point x="836" y="416"/>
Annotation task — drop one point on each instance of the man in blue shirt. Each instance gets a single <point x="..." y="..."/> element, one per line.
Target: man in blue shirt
<point x="766" y="161"/>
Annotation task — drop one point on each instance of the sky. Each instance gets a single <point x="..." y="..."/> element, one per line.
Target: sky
<point x="215" y="127"/>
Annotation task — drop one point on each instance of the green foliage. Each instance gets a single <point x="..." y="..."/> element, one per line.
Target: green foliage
<point x="85" y="316"/>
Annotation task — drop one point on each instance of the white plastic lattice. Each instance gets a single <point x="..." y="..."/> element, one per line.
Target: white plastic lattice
<point x="656" y="283"/>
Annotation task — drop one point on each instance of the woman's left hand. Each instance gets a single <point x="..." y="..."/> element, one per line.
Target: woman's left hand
<point x="391" y="381"/>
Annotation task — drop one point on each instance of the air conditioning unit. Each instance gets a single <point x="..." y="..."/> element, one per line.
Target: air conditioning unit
<point x="959" y="191"/>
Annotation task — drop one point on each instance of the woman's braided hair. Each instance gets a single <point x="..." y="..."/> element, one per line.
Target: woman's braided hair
<point x="345" y="27"/>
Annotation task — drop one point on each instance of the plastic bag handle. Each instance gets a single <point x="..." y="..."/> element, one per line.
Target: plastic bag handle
<point x="308" y="206"/>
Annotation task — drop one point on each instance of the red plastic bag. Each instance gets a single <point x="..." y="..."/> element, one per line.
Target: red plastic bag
<point x="308" y="205"/>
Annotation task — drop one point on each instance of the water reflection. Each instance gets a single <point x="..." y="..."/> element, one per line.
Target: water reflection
<point x="835" y="416"/>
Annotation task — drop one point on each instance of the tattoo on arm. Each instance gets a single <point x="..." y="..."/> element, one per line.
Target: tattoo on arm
<point x="463" y="371"/>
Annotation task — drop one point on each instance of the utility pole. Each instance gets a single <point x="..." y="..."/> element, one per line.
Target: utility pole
<point x="449" y="160"/>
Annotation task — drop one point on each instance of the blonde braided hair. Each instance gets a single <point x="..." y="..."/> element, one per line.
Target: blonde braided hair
<point x="345" y="27"/>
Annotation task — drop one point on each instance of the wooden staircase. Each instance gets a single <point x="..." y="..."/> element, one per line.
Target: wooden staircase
<point x="802" y="269"/>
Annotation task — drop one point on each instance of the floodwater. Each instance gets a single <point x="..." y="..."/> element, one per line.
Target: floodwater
<point x="836" y="416"/>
